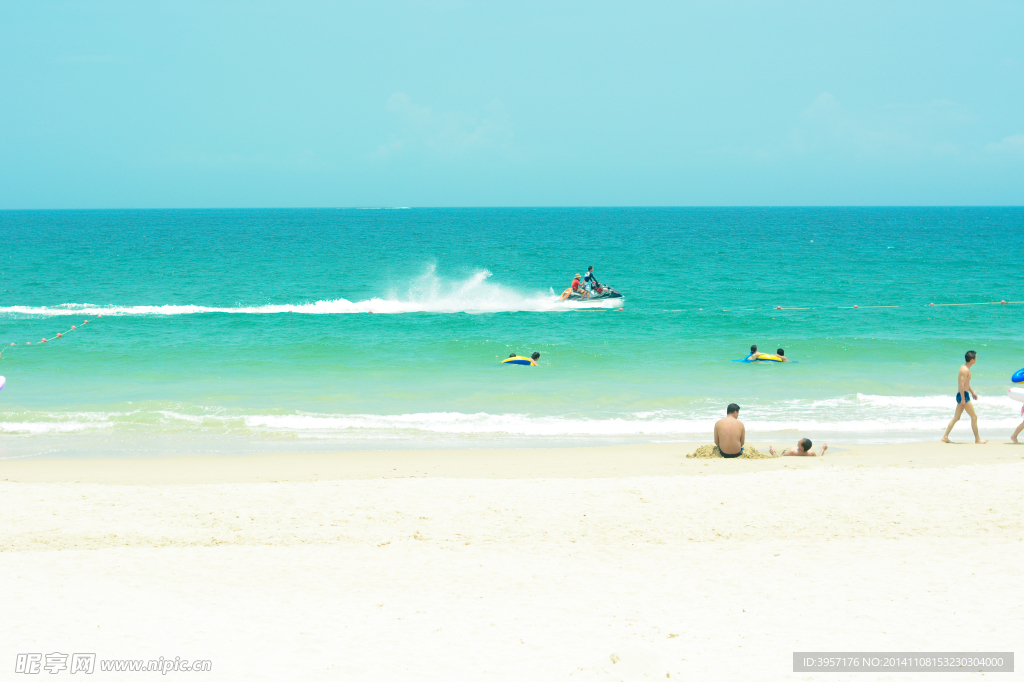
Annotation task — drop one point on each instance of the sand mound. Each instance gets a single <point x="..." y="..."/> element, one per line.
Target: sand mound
<point x="712" y="452"/>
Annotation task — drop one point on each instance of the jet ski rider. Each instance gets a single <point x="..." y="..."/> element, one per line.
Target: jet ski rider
<point x="590" y="281"/>
<point x="578" y="288"/>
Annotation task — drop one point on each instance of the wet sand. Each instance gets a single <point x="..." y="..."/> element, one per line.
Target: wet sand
<point x="662" y="459"/>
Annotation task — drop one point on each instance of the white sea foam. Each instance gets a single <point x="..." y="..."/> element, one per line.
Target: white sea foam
<point x="630" y="426"/>
<point x="855" y="418"/>
<point x="861" y="400"/>
<point x="427" y="294"/>
<point x="34" y="428"/>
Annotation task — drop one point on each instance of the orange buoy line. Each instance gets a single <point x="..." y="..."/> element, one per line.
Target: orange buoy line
<point x="6" y="347"/>
<point x="862" y="307"/>
<point x="930" y="305"/>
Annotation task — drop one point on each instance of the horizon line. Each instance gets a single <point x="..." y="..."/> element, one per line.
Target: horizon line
<point x="536" y="207"/>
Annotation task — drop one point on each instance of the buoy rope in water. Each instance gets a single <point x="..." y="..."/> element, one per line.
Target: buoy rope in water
<point x="862" y="307"/>
<point x="6" y="347"/>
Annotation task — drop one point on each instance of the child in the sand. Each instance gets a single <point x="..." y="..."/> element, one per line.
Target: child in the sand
<point x="802" y="449"/>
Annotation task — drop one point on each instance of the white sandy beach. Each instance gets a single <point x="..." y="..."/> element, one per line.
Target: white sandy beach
<point x="623" y="563"/>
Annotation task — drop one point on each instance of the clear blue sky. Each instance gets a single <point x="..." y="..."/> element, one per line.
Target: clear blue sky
<point x="224" y="104"/>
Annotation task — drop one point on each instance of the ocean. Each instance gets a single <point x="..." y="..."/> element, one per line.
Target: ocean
<point x="230" y="331"/>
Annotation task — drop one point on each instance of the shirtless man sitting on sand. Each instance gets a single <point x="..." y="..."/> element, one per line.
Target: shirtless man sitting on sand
<point x="730" y="434"/>
<point x="964" y="391"/>
<point x="802" y="449"/>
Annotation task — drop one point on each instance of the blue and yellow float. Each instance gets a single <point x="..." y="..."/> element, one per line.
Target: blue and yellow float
<point x="518" y="360"/>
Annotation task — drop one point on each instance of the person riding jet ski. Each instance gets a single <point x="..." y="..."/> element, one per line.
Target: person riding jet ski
<point x="579" y="288"/>
<point x="588" y="289"/>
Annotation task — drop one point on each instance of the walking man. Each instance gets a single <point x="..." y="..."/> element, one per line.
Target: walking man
<point x="964" y="392"/>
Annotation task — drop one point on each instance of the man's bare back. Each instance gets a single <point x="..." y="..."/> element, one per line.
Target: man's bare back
<point x="963" y="380"/>
<point x="730" y="434"/>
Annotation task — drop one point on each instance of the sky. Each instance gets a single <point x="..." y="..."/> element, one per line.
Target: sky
<point x="109" y="104"/>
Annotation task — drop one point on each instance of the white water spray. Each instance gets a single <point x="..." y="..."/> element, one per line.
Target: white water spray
<point x="428" y="293"/>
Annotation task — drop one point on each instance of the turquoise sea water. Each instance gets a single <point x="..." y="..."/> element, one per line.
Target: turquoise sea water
<point x="250" y="329"/>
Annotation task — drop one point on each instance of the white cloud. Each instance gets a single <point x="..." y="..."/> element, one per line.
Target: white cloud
<point x="90" y="58"/>
<point x="401" y="104"/>
<point x="304" y="160"/>
<point x="446" y="133"/>
<point x="945" y="149"/>
<point x="1014" y="144"/>
<point x="390" y="149"/>
<point x="823" y="105"/>
<point x="829" y="128"/>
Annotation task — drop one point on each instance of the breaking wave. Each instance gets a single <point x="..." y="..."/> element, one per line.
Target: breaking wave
<point x="853" y="419"/>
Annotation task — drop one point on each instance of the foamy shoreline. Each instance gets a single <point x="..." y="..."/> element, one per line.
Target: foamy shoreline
<point x="855" y="419"/>
<point x="622" y="563"/>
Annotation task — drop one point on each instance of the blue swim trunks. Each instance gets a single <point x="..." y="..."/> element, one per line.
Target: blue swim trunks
<point x="967" y="398"/>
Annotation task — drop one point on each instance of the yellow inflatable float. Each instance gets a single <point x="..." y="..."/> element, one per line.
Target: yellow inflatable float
<point x="518" y="360"/>
<point x="768" y="357"/>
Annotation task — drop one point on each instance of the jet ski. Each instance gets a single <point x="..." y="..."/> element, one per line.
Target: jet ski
<point x="601" y="293"/>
